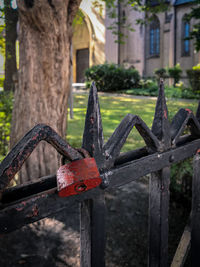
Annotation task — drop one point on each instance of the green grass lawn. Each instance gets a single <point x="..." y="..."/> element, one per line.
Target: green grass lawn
<point x="113" y="110"/>
<point x="1" y="81"/>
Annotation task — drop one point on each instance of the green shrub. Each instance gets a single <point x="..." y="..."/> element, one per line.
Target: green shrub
<point x="111" y="77"/>
<point x="6" y="104"/>
<point x="146" y="83"/>
<point x="194" y="77"/>
<point x="144" y="90"/>
<point x="188" y="93"/>
<point x="160" y="73"/>
<point x="181" y="174"/>
<point x="1" y="82"/>
<point x="181" y="178"/>
<point x="175" y="73"/>
<point x="180" y="92"/>
<point x="172" y="92"/>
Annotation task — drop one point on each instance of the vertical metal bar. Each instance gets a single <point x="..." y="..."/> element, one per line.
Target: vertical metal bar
<point x="158" y="218"/>
<point x="159" y="189"/>
<point x="92" y="229"/>
<point x="98" y="231"/>
<point x="195" y="223"/>
<point x="93" y="212"/>
<point x="85" y="231"/>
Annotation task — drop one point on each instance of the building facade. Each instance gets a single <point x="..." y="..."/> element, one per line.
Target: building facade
<point x="158" y="44"/>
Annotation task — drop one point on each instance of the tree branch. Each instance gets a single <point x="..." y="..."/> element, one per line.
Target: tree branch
<point x="72" y="10"/>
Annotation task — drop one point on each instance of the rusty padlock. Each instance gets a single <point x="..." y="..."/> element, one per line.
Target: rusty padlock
<point x="78" y="176"/>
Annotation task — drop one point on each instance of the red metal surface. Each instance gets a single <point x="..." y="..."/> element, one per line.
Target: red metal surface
<point x="188" y="110"/>
<point x="77" y="176"/>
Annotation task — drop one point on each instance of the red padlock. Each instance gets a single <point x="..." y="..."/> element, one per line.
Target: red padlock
<point x="77" y="177"/>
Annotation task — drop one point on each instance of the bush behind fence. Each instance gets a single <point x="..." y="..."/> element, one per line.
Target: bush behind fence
<point x="6" y="105"/>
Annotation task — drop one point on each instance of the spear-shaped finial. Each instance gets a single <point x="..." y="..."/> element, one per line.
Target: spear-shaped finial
<point x="161" y="126"/>
<point x="118" y="138"/>
<point x="182" y="119"/>
<point x="93" y="132"/>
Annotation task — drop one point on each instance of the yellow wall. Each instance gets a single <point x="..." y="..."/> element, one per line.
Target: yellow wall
<point x="81" y="40"/>
<point x="90" y="34"/>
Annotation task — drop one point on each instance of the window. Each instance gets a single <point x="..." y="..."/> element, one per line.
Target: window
<point x="156" y="2"/>
<point x="185" y="35"/>
<point x="154" y="37"/>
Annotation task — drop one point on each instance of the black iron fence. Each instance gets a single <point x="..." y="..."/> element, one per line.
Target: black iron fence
<point x="165" y="144"/>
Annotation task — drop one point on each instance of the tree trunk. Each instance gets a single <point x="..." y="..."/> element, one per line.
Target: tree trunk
<point x="11" y="17"/>
<point x="41" y="97"/>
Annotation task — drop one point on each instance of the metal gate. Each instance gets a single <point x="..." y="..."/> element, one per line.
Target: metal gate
<point x="165" y="144"/>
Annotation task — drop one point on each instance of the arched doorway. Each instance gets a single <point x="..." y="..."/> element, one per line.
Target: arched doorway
<point x="81" y="51"/>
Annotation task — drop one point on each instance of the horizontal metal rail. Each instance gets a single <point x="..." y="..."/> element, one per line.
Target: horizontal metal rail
<point x="22" y="200"/>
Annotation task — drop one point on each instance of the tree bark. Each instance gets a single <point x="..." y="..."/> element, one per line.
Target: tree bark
<point x="41" y="97"/>
<point x="11" y="17"/>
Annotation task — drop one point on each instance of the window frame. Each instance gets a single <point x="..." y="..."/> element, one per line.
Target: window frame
<point x="154" y="38"/>
<point x="184" y="34"/>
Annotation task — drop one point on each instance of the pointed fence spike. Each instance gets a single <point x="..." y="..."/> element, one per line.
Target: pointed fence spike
<point x="116" y="141"/>
<point x="93" y="210"/>
<point x="13" y="162"/>
<point x="178" y="123"/>
<point x="182" y="119"/>
<point x="93" y="132"/>
<point x="118" y="138"/>
<point x="150" y="139"/>
<point x="161" y="126"/>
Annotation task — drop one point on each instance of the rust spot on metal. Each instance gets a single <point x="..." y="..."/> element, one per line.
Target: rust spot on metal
<point x="35" y="212"/>
<point x="165" y="114"/>
<point x="38" y="197"/>
<point x="92" y="147"/>
<point x="35" y="137"/>
<point x="92" y="120"/>
<point x="188" y="110"/>
<point x="21" y="206"/>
